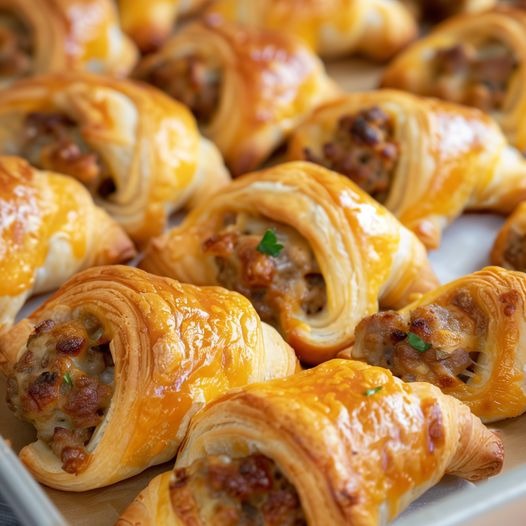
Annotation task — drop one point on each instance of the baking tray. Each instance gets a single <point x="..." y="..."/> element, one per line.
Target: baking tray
<point x="465" y="248"/>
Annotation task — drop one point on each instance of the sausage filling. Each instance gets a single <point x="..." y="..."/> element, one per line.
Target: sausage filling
<point x="287" y="281"/>
<point x="363" y="149"/>
<point x="53" y="141"/>
<point x="515" y="251"/>
<point x="474" y="75"/>
<point x="221" y="491"/>
<point x="193" y="80"/>
<point x="432" y="343"/>
<point x="63" y="385"/>
<point x="16" y="46"/>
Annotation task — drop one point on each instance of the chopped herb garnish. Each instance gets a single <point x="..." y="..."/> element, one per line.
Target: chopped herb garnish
<point x="67" y="379"/>
<point x="269" y="244"/>
<point x="417" y="343"/>
<point x="372" y="391"/>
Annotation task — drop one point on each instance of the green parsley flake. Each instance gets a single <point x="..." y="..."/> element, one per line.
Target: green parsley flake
<point x="269" y="244"/>
<point x="372" y="391"/>
<point x="67" y="379"/>
<point x="417" y="343"/>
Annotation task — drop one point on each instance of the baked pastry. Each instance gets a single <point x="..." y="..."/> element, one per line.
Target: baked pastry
<point x="340" y="444"/>
<point x="424" y="159"/>
<point x="475" y="60"/>
<point x="56" y="35"/>
<point x="111" y="368"/>
<point x="509" y="249"/>
<point x="49" y="229"/>
<point x="312" y="252"/>
<point x="247" y="88"/>
<point x="377" y="29"/>
<point x="150" y="22"/>
<point x="139" y="153"/>
<point x="465" y="337"/>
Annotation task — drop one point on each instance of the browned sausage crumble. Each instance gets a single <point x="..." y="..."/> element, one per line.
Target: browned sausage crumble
<point x="449" y="339"/>
<point x="54" y="141"/>
<point x="289" y="281"/>
<point x="16" y="46"/>
<point x="63" y="385"/>
<point x="474" y="75"/>
<point x="515" y="251"/>
<point x="192" y="80"/>
<point x="363" y="149"/>
<point x="221" y="491"/>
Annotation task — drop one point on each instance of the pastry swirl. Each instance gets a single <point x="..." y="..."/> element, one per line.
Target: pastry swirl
<point x="111" y="368"/>
<point x="49" y="229"/>
<point x="477" y="60"/>
<point x="312" y="251"/>
<point x="465" y="337"/>
<point x="62" y="35"/>
<point x="247" y="87"/>
<point x="139" y="153"/>
<point x="425" y="160"/>
<point x="343" y="443"/>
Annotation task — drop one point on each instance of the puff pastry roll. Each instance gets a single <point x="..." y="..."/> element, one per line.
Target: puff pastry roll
<point x="247" y="88"/>
<point x="424" y="159"/>
<point x="377" y="29"/>
<point x="49" y="229"/>
<point x="150" y="22"/>
<point x="477" y="60"/>
<point x="139" y="152"/>
<point x="55" y="35"/>
<point x="509" y="249"/>
<point x="465" y="337"/>
<point x="340" y="444"/>
<point x="111" y="368"/>
<point x="312" y="252"/>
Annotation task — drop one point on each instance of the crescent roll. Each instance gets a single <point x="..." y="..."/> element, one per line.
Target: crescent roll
<point x="478" y="60"/>
<point x="377" y="29"/>
<point x="509" y="249"/>
<point x="138" y="152"/>
<point x="343" y="443"/>
<point x="247" y="88"/>
<point x="424" y="159"/>
<point x="150" y="22"/>
<point x="55" y="35"/>
<point x="112" y="367"/>
<point x="312" y="252"/>
<point x="466" y="337"/>
<point x="49" y="229"/>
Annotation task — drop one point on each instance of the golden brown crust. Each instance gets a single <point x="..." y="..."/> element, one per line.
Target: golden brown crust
<point x="413" y="70"/>
<point x="175" y="347"/>
<point x="150" y="144"/>
<point x="492" y="303"/>
<point x="150" y="22"/>
<point x="435" y="179"/>
<point x="358" y="444"/>
<point x="364" y="255"/>
<point x="49" y="229"/>
<point x="63" y="41"/>
<point x="269" y="82"/>
<point x="375" y="28"/>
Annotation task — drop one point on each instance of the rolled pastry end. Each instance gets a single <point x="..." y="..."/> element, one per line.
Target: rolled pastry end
<point x="62" y="383"/>
<point x="113" y="244"/>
